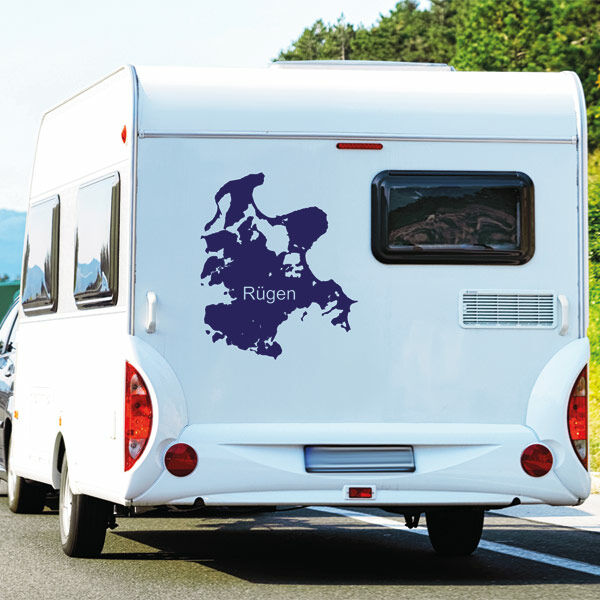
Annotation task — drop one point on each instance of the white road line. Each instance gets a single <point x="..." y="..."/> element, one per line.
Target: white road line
<point x="549" y="559"/>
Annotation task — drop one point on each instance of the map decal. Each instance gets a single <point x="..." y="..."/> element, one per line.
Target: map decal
<point x="261" y="262"/>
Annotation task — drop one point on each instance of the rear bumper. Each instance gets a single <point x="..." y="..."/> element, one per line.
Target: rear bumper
<point x="455" y="464"/>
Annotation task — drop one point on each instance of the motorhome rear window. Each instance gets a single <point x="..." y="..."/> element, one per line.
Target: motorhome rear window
<point x="39" y="285"/>
<point x="97" y="243"/>
<point x="452" y="217"/>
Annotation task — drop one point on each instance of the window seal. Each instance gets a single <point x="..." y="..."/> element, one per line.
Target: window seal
<point x="94" y="299"/>
<point x="450" y="256"/>
<point x="40" y="307"/>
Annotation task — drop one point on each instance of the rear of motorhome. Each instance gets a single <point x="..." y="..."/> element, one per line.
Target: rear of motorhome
<point x="335" y="284"/>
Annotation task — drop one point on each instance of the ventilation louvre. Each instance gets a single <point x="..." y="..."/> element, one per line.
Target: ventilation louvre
<point x="502" y="309"/>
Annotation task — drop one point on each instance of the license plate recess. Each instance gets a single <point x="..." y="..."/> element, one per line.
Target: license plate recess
<point x="359" y="459"/>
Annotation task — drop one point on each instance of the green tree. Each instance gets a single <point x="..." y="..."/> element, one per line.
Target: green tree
<point x="533" y="35"/>
<point x="322" y="42"/>
<point x="488" y="35"/>
<point x="441" y="33"/>
<point x="406" y="34"/>
<point x="401" y="35"/>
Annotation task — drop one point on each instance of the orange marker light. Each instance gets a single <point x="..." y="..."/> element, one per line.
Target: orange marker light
<point x="16" y="414"/>
<point x="124" y="133"/>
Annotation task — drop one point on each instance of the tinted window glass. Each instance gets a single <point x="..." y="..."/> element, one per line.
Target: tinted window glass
<point x="453" y="217"/>
<point x="96" y="243"/>
<point x="39" y="288"/>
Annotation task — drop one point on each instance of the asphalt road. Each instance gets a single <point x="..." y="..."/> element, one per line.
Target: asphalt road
<point x="301" y="553"/>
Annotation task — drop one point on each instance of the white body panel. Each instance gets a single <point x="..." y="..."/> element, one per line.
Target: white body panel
<point x="404" y="373"/>
<point x="72" y="361"/>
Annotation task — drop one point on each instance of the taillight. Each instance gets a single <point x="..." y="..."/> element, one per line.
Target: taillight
<point x="577" y="417"/>
<point x="138" y="416"/>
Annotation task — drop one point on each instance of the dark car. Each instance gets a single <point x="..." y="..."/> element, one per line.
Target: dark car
<point x="23" y="495"/>
<point x="7" y="372"/>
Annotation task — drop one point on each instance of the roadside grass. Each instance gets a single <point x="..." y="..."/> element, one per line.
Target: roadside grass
<point x="594" y="327"/>
<point x="594" y="370"/>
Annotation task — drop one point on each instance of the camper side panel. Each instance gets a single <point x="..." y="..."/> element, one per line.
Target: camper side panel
<point x="70" y="358"/>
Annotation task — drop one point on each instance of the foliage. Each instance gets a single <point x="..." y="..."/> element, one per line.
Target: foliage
<point x="322" y="42"/>
<point x="534" y="35"/>
<point x="489" y="35"/>
<point x="594" y="327"/>
<point x="404" y="33"/>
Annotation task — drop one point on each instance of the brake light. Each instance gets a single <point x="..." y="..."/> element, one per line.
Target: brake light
<point x="358" y="146"/>
<point x="138" y="416"/>
<point x="536" y="460"/>
<point x="577" y="417"/>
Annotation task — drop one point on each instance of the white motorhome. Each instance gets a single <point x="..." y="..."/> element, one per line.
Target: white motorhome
<point x="338" y="284"/>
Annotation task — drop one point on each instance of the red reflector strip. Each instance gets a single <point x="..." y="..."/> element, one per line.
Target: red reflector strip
<point x="360" y="492"/>
<point x="181" y="460"/>
<point x="358" y="146"/>
<point x="536" y="460"/>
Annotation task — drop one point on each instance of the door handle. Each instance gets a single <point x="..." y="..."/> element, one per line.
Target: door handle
<point x="151" y="302"/>
<point x="563" y="302"/>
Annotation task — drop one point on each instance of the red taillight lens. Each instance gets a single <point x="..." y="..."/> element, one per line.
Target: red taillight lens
<point x="138" y="416"/>
<point x="577" y="417"/>
<point x="360" y="492"/>
<point x="536" y="460"/>
<point x="181" y="460"/>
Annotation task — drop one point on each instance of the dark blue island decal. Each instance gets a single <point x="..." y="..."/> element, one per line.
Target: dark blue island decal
<point x="264" y="286"/>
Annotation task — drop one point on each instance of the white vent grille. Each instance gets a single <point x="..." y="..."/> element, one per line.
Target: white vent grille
<point x="502" y="309"/>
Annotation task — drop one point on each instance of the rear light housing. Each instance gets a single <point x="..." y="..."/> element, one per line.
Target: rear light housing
<point x="181" y="460"/>
<point x="138" y="416"/>
<point x="577" y="417"/>
<point x="536" y="460"/>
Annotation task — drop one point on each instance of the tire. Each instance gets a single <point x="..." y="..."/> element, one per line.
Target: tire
<point x="455" y="531"/>
<point x="83" y="520"/>
<point x="24" y="497"/>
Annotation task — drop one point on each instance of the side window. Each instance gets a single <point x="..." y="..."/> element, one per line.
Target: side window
<point x="39" y="286"/>
<point x="453" y="217"/>
<point x="97" y="243"/>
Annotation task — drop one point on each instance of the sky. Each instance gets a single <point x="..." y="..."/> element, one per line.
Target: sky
<point x="51" y="49"/>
